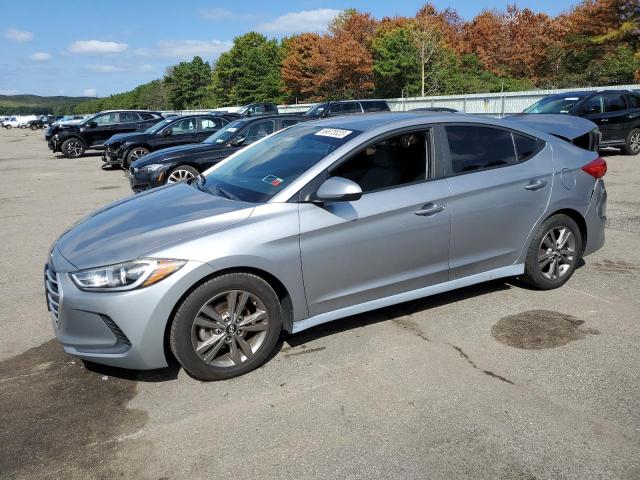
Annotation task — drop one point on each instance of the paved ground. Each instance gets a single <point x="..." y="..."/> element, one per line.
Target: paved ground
<point x="493" y="381"/>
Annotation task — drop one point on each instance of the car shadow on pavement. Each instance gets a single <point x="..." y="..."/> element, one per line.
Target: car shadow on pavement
<point x="397" y="311"/>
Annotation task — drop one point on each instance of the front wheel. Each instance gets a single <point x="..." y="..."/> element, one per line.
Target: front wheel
<point x="182" y="173"/>
<point x="33" y="127"/>
<point x="632" y="145"/>
<point x="133" y="155"/>
<point x="226" y="327"/>
<point x="553" y="253"/>
<point x="72" y="148"/>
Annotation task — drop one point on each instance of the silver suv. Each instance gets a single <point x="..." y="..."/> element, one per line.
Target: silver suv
<point x="320" y="221"/>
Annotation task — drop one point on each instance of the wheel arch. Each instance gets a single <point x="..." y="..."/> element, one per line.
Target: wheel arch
<point x="576" y="217"/>
<point x="281" y="291"/>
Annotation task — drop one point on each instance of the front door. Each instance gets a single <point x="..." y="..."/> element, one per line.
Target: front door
<point x="393" y="240"/>
<point x="104" y="128"/>
<point x="498" y="193"/>
<point x="180" y="132"/>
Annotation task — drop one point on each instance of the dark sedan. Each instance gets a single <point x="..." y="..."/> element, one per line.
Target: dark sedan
<point x="176" y="164"/>
<point x="125" y="148"/>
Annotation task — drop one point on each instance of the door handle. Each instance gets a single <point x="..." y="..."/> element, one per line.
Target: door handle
<point x="537" y="185"/>
<point x="429" y="209"/>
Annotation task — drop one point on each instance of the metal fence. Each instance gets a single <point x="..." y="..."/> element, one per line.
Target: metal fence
<point x="494" y="104"/>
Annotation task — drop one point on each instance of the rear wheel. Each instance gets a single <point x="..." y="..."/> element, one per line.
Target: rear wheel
<point x="33" y="127"/>
<point x="72" y="148"/>
<point x="133" y="155"/>
<point x="226" y="327"/>
<point x="553" y="254"/>
<point x="632" y="146"/>
<point x="8" y="127"/>
<point x="182" y="173"/>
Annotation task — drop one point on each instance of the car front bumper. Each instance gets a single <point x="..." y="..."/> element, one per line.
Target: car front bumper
<point x="54" y="144"/>
<point x="112" y="157"/>
<point x="120" y="329"/>
<point x="140" y="180"/>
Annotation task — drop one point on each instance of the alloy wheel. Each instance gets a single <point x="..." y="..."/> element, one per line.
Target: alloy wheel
<point x="179" y="176"/>
<point x="230" y="328"/>
<point x="136" y="153"/>
<point x="557" y="253"/>
<point x="74" y="148"/>
<point x="634" y="142"/>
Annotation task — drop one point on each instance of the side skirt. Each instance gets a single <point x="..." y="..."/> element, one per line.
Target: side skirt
<point x="510" y="271"/>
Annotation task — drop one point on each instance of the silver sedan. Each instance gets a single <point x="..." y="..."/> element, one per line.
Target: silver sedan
<point x="321" y="221"/>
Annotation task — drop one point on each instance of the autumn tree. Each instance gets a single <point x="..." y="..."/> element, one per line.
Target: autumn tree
<point x="303" y="66"/>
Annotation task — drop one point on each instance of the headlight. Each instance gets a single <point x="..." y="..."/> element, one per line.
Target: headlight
<point x="56" y="136"/>
<point x="126" y="276"/>
<point x="151" y="168"/>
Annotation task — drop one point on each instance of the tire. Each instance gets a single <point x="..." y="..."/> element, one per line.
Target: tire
<point x="132" y="155"/>
<point x="548" y="266"/>
<point x="72" y="148"/>
<point x="181" y="173"/>
<point x="33" y="127"/>
<point x="632" y="145"/>
<point x="225" y="354"/>
<point x="8" y="127"/>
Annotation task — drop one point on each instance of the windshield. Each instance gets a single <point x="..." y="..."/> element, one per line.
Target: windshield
<point x="316" y="109"/>
<point x="159" y="126"/>
<point x="224" y="134"/>
<point x="260" y="171"/>
<point x="553" y="105"/>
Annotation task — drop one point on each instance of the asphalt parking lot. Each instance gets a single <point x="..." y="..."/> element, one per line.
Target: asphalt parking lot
<point x="492" y="381"/>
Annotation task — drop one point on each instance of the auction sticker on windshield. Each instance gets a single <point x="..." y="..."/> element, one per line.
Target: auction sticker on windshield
<point x="334" y="132"/>
<point x="272" y="180"/>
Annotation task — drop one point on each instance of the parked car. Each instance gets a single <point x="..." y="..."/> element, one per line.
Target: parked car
<point x="318" y="222"/>
<point x="73" y="139"/>
<point x="11" y="122"/>
<point x="43" y="121"/>
<point x="347" y="107"/>
<point x="257" y="109"/>
<point x="177" y="164"/>
<point x="125" y="148"/>
<point x="23" y="122"/>
<point x="616" y="112"/>
<point x="434" y="110"/>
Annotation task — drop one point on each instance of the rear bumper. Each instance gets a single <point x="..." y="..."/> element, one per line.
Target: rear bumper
<point x="596" y="218"/>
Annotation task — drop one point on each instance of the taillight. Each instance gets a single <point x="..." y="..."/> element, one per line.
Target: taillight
<point x="597" y="168"/>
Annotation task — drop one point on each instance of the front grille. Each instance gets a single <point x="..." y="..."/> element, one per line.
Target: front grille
<point x="53" y="291"/>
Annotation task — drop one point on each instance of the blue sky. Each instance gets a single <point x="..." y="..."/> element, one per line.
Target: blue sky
<point x="66" y="47"/>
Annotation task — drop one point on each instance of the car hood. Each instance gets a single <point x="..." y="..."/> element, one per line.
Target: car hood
<point x="565" y="126"/>
<point x="123" y="137"/>
<point x="139" y="225"/>
<point x="177" y="152"/>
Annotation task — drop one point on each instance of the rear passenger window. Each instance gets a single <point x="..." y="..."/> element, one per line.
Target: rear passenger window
<point x="288" y="123"/>
<point x="395" y="161"/>
<point x="615" y="102"/>
<point x="147" y="116"/>
<point x="526" y="147"/>
<point x="634" y="101"/>
<point x="375" y="106"/>
<point x="351" y="107"/>
<point x="476" y="148"/>
<point x="128" y="117"/>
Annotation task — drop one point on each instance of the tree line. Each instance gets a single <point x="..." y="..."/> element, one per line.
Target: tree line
<point x="435" y="52"/>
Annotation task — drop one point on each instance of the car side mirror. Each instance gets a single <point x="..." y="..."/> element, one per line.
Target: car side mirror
<point x="92" y="124"/>
<point x="338" y="189"/>
<point x="167" y="131"/>
<point x="238" y="141"/>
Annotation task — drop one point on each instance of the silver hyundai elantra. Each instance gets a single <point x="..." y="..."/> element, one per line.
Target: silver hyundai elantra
<point x="321" y="221"/>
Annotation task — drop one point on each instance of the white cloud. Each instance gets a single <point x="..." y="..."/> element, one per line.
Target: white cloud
<point x="9" y="92"/>
<point x="304" y="21"/>
<point x="107" y="68"/>
<point x="222" y="14"/>
<point x="40" y="56"/>
<point x="186" y="49"/>
<point x="20" y="36"/>
<point x="90" y="92"/>
<point x="96" y="47"/>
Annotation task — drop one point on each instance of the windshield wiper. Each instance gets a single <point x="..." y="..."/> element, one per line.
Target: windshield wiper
<point x="224" y="193"/>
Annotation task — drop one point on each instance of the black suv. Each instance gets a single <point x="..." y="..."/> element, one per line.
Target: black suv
<point x="175" y="164"/>
<point x="616" y="112"/>
<point x="125" y="148"/>
<point x="72" y="139"/>
<point x="347" y="107"/>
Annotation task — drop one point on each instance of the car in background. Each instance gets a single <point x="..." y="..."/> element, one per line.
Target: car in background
<point x="434" y="110"/>
<point x="318" y="222"/>
<point x="615" y="112"/>
<point x="346" y="107"/>
<point x="10" y="122"/>
<point x="257" y="109"/>
<point x="177" y="164"/>
<point x="23" y="122"/>
<point x="125" y="148"/>
<point x="43" y="121"/>
<point x="73" y="139"/>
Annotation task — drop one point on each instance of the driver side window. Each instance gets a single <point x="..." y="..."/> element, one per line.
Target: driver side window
<point x="392" y="162"/>
<point x="258" y="131"/>
<point x="188" y="125"/>
<point x="106" y="119"/>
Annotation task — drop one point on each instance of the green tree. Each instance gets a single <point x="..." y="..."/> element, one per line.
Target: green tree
<point x="187" y="83"/>
<point x="396" y="63"/>
<point x="249" y="72"/>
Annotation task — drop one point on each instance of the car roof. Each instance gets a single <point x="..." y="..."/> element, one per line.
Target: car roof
<point x="128" y="110"/>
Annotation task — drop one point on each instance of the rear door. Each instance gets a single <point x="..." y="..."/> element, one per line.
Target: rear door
<point x="500" y="185"/>
<point x="207" y="126"/>
<point x="617" y="121"/>
<point x="127" y="122"/>
<point x="393" y="240"/>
